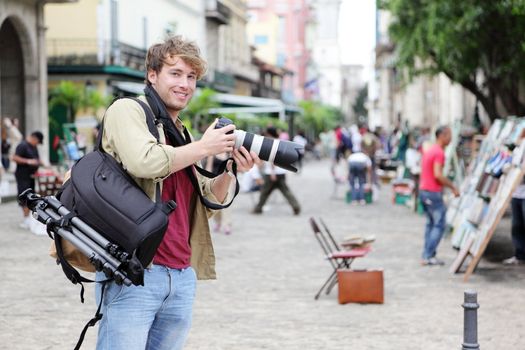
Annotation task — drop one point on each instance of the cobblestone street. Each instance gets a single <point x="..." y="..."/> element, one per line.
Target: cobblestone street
<point x="269" y="270"/>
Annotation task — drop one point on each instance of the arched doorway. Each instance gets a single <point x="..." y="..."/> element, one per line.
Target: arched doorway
<point x="12" y="92"/>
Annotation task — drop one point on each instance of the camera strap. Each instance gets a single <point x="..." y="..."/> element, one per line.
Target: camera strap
<point x="177" y="139"/>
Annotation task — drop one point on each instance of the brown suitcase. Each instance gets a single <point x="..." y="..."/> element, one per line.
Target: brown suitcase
<point x="360" y="286"/>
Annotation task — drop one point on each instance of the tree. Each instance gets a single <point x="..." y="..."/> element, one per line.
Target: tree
<point x="69" y="95"/>
<point x="479" y="44"/>
<point x="74" y="97"/>
<point x="317" y="117"/>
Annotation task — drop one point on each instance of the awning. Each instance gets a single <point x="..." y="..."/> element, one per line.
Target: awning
<point x="250" y="104"/>
<point x="230" y="103"/>
<point x="129" y="86"/>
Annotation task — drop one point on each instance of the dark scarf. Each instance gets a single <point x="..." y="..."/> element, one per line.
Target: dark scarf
<point x="161" y="113"/>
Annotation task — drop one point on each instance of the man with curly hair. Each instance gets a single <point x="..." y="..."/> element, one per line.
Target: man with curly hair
<point x="158" y="315"/>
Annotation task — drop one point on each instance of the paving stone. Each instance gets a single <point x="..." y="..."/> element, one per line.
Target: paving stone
<point x="269" y="270"/>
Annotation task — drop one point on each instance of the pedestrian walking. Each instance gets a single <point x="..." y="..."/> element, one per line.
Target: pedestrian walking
<point x="27" y="162"/>
<point x="14" y="136"/>
<point x="432" y="181"/>
<point x="158" y="315"/>
<point x="6" y="146"/>
<point x="275" y="178"/>
<point x="359" y="175"/>
<point x="11" y="137"/>
<point x="518" y="226"/>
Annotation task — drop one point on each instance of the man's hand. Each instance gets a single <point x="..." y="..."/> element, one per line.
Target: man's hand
<point x="245" y="160"/>
<point x="215" y="141"/>
<point x="455" y="191"/>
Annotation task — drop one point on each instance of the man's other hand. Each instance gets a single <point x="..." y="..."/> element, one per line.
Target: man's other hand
<point x="245" y="160"/>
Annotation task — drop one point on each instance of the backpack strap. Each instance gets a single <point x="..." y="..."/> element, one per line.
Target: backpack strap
<point x="152" y="123"/>
<point x="71" y="273"/>
<point x="95" y="319"/>
<point x="152" y="127"/>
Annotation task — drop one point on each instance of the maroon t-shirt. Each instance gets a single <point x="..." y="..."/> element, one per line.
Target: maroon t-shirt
<point x="174" y="250"/>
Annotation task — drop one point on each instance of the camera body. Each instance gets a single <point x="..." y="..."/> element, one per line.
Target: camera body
<point x="279" y="152"/>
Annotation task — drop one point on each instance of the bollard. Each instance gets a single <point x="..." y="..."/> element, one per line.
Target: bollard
<point x="470" y="321"/>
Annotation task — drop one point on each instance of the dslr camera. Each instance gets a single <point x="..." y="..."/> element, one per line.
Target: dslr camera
<point x="279" y="152"/>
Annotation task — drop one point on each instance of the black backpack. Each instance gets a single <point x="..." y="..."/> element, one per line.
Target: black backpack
<point x="104" y="196"/>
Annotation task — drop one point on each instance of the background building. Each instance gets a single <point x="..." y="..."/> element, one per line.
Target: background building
<point x="23" y="73"/>
<point x="353" y="82"/>
<point x="278" y="30"/>
<point x="326" y="53"/>
<point x="107" y="44"/>
<point x="229" y="54"/>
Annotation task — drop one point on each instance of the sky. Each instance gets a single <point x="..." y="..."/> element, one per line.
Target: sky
<point x="357" y="31"/>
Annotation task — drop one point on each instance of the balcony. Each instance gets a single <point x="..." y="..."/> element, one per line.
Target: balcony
<point x="221" y="81"/>
<point x="218" y="12"/>
<point x="93" y="52"/>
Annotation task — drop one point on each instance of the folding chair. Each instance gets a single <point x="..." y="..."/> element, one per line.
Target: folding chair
<point x="338" y="258"/>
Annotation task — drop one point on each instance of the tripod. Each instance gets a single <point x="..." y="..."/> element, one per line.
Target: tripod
<point x="104" y="255"/>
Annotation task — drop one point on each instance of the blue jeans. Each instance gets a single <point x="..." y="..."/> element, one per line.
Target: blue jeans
<point x="357" y="172"/>
<point x="436" y="211"/>
<point x="154" y="316"/>
<point x="518" y="227"/>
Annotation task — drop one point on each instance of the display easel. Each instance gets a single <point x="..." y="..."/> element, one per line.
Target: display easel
<point x="476" y="243"/>
<point x="474" y="237"/>
<point x="456" y="213"/>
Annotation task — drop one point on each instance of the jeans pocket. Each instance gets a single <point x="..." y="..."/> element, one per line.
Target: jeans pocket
<point x="427" y="201"/>
<point x="111" y="291"/>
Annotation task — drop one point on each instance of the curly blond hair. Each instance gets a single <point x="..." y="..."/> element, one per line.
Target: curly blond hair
<point x="175" y="47"/>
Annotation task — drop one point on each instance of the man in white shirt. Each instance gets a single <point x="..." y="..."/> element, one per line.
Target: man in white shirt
<point x="360" y="170"/>
<point x="275" y="178"/>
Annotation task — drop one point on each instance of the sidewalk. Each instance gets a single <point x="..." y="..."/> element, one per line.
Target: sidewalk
<point x="7" y="187"/>
<point x="269" y="270"/>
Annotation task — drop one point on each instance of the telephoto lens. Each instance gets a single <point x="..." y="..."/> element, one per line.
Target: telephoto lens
<point x="279" y="152"/>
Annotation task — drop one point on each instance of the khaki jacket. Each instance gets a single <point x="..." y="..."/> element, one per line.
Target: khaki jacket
<point x="126" y="137"/>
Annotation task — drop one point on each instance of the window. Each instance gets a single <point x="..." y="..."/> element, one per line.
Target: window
<point x="281" y="30"/>
<point x="260" y="39"/>
<point x="281" y="60"/>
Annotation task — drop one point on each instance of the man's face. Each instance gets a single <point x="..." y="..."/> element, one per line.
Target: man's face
<point x="446" y="136"/>
<point x="33" y="140"/>
<point x="175" y="84"/>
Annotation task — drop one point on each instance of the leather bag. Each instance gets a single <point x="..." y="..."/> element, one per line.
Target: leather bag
<point x="360" y="286"/>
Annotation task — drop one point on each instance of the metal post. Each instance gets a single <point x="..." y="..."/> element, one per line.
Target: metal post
<point x="470" y="321"/>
